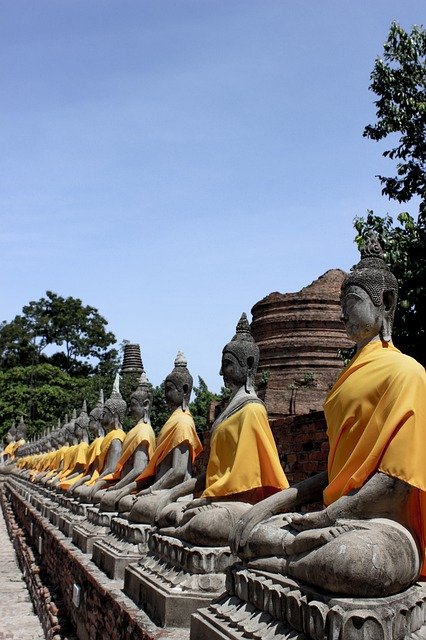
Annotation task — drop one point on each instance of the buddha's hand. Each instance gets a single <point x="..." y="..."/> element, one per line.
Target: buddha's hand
<point x="313" y="520"/>
<point x="241" y="532"/>
<point x="310" y="539"/>
<point x="197" y="502"/>
<point x="162" y="502"/>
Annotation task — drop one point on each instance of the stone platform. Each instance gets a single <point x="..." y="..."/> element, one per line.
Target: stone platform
<point x="95" y="604"/>
<point x="90" y="529"/>
<point x="125" y="543"/>
<point x="262" y="605"/>
<point x="175" y="578"/>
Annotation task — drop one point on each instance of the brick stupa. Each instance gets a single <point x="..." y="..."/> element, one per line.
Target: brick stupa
<point x="299" y="336"/>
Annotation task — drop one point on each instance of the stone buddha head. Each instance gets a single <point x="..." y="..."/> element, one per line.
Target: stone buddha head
<point x="21" y="430"/>
<point x="141" y="400"/>
<point x="11" y="434"/>
<point x="69" y="428"/>
<point x="178" y="384"/>
<point x="369" y="296"/>
<point x="240" y="358"/>
<point x="95" y="416"/>
<point x="81" y="425"/>
<point x="115" y="407"/>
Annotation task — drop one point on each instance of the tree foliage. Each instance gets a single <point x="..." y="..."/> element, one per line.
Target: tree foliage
<point x="44" y="387"/>
<point x="43" y="393"/>
<point x="200" y="406"/>
<point x="399" y="79"/>
<point x="78" y="330"/>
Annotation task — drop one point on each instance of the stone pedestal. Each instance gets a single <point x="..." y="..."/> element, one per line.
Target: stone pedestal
<point x="74" y="516"/>
<point x="125" y="543"/>
<point x="258" y="604"/>
<point x="93" y="526"/>
<point x="175" y="578"/>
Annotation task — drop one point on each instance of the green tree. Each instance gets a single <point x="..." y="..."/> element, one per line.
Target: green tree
<point x="44" y="387"/>
<point x="78" y="329"/>
<point x="399" y="79"/>
<point x="200" y="406"/>
<point x="159" y="410"/>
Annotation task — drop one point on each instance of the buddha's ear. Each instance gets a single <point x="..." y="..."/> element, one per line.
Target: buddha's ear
<point x="250" y="362"/>
<point x="389" y="300"/>
<point x="146" y="405"/>
<point x="389" y="303"/>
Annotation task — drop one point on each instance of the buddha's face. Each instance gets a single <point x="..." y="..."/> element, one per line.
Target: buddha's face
<point x="363" y="320"/>
<point x="107" y="418"/>
<point x="135" y="409"/>
<point x="234" y="374"/>
<point x="93" y="425"/>
<point x="78" y="431"/>
<point x="173" y="395"/>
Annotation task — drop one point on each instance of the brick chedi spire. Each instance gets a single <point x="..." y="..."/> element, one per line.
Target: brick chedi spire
<point x="299" y="335"/>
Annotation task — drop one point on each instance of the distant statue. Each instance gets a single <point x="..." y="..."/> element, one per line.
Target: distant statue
<point x="114" y="411"/>
<point x="243" y="465"/>
<point x="138" y="448"/>
<point x="81" y="438"/>
<point x="177" y="447"/>
<point x="96" y="430"/>
<point x="370" y="539"/>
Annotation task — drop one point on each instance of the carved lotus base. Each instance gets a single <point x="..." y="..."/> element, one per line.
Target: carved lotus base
<point x="125" y="543"/>
<point x="175" y="578"/>
<point x="85" y="534"/>
<point x="263" y="605"/>
<point x="67" y="522"/>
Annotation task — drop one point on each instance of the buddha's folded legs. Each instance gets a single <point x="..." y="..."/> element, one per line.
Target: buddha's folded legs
<point x="371" y="558"/>
<point x="208" y="525"/>
<point x="145" y="507"/>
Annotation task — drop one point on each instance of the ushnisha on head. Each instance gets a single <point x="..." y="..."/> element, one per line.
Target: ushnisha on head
<point x="369" y="296"/>
<point x="178" y="384"/>
<point x="115" y="407"/>
<point x="141" y="400"/>
<point x="240" y="358"/>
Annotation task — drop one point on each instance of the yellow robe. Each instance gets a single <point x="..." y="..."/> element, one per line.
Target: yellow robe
<point x="179" y="429"/>
<point x="140" y="433"/>
<point x="92" y="453"/>
<point x="56" y="461"/>
<point x="376" y="420"/>
<point x="79" y="457"/>
<point x="243" y="456"/>
<point x="115" y="434"/>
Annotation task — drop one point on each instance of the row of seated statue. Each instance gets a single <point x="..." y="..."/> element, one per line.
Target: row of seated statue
<point x="369" y="540"/>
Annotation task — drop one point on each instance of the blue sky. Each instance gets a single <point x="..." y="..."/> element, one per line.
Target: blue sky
<point x="172" y="163"/>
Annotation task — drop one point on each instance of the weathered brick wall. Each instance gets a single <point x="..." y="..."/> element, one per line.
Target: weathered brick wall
<point x="46" y="600"/>
<point x="302" y="445"/>
<point x="104" y="613"/>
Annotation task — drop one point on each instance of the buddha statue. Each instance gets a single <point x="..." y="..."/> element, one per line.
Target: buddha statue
<point x="96" y="430"/>
<point x="10" y="444"/>
<point x="177" y="447"/>
<point x="70" y="452"/>
<point x="369" y="540"/>
<point x="138" y="448"/>
<point x="114" y="411"/>
<point x="81" y="436"/>
<point x="243" y="465"/>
